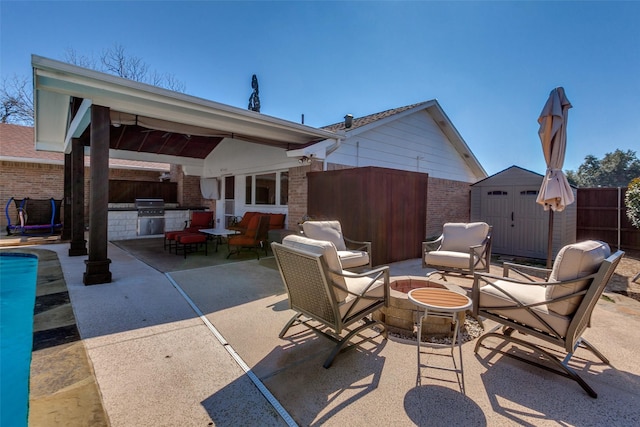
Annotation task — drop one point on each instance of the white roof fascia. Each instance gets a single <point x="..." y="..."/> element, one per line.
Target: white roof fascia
<point x="31" y="160"/>
<point x="447" y="127"/>
<point x="317" y="150"/>
<point x="60" y="80"/>
<point x="78" y="124"/>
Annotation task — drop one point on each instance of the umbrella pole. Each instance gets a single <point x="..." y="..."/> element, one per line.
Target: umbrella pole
<point x="550" y="239"/>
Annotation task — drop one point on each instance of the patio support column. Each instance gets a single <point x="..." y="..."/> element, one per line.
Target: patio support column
<point x="66" y="199"/>
<point x="78" y="246"/>
<point x="97" y="266"/>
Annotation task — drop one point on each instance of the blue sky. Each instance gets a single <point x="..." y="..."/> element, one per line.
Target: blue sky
<point x="491" y="65"/>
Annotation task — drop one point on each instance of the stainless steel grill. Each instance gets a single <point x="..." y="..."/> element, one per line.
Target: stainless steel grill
<point x="150" y="216"/>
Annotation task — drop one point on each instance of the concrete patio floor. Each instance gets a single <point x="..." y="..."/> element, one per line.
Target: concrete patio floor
<point x="200" y="347"/>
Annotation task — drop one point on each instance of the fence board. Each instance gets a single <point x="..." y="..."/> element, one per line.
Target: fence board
<point x="600" y="216"/>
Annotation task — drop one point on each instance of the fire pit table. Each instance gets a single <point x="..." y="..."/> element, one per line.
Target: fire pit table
<point x="401" y="317"/>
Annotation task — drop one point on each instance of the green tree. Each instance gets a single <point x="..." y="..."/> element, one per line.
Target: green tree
<point x="632" y="202"/>
<point x="615" y="169"/>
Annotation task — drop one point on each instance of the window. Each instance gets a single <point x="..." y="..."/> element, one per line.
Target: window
<point x="529" y="193"/>
<point x="497" y="193"/>
<point x="267" y="189"/>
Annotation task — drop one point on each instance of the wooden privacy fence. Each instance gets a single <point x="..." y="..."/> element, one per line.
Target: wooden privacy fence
<point x="602" y="215"/>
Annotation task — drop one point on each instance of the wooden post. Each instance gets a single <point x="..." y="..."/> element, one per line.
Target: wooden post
<point x="97" y="266"/>
<point x="78" y="246"/>
<point x="66" y="199"/>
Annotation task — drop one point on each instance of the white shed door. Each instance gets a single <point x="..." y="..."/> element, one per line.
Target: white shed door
<point x="519" y="224"/>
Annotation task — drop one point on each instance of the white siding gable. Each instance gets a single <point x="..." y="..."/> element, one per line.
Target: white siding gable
<point x="413" y="143"/>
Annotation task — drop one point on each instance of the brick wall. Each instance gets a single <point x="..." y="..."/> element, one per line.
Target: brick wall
<point x="448" y="201"/>
<point x="298" y="192"/>
<point x="43" y="181"/>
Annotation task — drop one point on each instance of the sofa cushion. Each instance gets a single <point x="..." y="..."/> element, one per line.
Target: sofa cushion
<point x="325" y="230"/>
<point x="448" y="259"/>
<point x="276" y="221"/>
<point x="574" y="261"/>
<point x="459" y="237"/>
<point x="352" y="259"/>
<point x="328" y="250"/>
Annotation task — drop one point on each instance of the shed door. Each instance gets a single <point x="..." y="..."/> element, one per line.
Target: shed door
<point x="519" y="223"/>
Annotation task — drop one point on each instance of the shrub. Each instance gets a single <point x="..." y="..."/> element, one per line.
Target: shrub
<point x="632" y="202"/>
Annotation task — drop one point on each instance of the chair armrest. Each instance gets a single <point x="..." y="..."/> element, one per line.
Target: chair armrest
<point x="357" y="245"/>
<point x="431" y="245"/>
<point x="374" y="275"/>
<point x="428" y="246"/>
<point x="529" y="272"/>
<point x="482" y="279"/>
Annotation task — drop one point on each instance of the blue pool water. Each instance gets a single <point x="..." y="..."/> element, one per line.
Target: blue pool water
<point x="18" y="274"/>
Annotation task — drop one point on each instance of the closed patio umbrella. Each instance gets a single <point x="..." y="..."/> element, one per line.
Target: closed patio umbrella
<point x="555" y="192"/>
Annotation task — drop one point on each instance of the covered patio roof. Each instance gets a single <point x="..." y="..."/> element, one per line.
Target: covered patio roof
<point x="148" y="123"/>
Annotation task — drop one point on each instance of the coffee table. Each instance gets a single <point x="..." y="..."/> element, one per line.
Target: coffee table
<point x="218" y="234"/>
<point x="441" y="303"/>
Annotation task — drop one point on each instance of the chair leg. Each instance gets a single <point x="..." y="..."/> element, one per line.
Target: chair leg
<point x="561" y="367"/>
<point x="586" y="344"/>
<point x="289" y="324"/>
<point x="368" y="323"/>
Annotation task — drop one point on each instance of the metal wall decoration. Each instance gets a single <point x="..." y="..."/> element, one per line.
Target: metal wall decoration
<point x="254" y="99"/>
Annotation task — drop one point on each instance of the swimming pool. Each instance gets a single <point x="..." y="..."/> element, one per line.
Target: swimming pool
<point x="18" y="274"/>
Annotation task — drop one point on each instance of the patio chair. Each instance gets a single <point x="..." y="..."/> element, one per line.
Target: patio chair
<point x="327" y="299"/>
<point x="462" y="247"/>
<point x="199" y="221"/>
<point x="254" y="238"/>
<point x="352" y="253"/>
<point x="555" y="308"/>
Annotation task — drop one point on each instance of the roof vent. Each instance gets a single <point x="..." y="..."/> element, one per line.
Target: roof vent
<point x="348" y="121"/>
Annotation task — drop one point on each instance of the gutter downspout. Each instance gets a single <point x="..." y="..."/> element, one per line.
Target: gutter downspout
<point x="332" y="148"/>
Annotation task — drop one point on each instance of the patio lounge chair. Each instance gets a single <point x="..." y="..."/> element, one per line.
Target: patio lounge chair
<point x="352" y="253"/>
<point x="556" y="310"/>
<point x="254" y="238"/>
<point x="326" y="298"/>
<point x="462" y="247"/>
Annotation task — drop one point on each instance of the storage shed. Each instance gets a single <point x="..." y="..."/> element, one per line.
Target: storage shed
<point x="507" y="201"/>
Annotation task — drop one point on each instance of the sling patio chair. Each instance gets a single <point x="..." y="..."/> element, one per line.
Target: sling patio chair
<point x="327" y="299"/>
<point x="352" y="253"/>
<point x="254" y="238"/>
<point x="462" y="247"/>
<point x="555" y="308"/>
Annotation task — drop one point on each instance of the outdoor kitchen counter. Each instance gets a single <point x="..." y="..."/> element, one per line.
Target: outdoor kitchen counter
<point x="123" y="221"/>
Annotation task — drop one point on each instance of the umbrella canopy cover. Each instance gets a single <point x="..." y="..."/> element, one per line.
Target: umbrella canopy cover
<point x="555" y="192"/>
